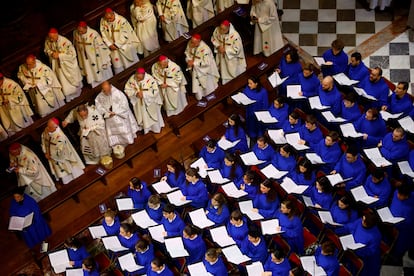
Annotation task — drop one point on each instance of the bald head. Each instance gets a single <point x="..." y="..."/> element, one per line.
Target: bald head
<point x="51" y="125"/>
<point x="109" y="16"/>
<point x="327" y="83"/>
<point x="53" y="36"/>
<point x="106" y="87"/>
<point x="31" y="62"/>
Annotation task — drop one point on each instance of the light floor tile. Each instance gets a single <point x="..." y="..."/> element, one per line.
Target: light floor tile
<point x="363" y="15"/>
<point x="325" y="40"/>
<point x="399" y="62"/>
<point x="327" y="15"/>
<point x="311" y="50"/>
<point x="308" y="4"/>
<point x="345" y="27"/>
<point x="361" y="38"/>
<point x="308" y="27"/>
<point x="293" y="37"/>
<point x="291" y="15"/>
<point x="345" y="4"/>
<point x="380" y="25"/>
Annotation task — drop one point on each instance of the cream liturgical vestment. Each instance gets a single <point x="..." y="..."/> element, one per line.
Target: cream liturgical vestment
<point x="267" y="34"/>
<point x="93" y="55"/>
<point x="32" y="173"/>
<point x="174" y="94"/>
<point x="221" y="5"/>
<point x="92" y="132"/>
<point x="145" y="26"/>
<point x="120" y="33"/>
<point x="174" y="22"/>
<point x="43" y="87"/>
<point x="3" y="133"/>
<point x="122" y="127"/>
<point x="15" y="112"/>
<point x="204" y="73"/>
<point x="64" y="161"/>
<point x="148" y="108"/>
<point x="199" y="11"/>
<point x="232" y="62"/>
<point x="65" y="66"/>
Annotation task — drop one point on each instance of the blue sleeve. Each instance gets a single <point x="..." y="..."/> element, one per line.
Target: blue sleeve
<point x="83" y="254"/>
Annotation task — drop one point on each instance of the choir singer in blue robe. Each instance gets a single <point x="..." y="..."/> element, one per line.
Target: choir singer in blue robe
<point x="21" y="206"/>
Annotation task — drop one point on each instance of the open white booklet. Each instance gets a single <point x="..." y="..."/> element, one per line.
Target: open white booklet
<point x="405" y="168"/>
<point x="343" y="79"/>
<point x="376" y="157"/>
<point x="199" y="218"/>
<point x="326" y="217"/>
<point x="231" y="190"/>
<point x="310" y="266"/>
<point x="246" y="207"/>
<point x="360" y="194"/>
<point x="127" y="263"/>
<point x="275" y="79"/>
<point x="250" y="159"/>
<point x="59" y="260"/>
<point x="348" y="242"/>
<point x="234" y="255"/>
<point x="265" y="117"/>
<point x="291" y="187"/>
<point x="242" y="99"/>
<point x="221" y="236"/>
<point x="19" y="223"/>
<point x="386" y="216"/>
<point x="226" y="144"/>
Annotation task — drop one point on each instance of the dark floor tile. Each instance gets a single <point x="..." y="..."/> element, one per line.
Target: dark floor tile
<point x="365" y="27"/>
<point x="290" y="27"/>
<point x="383" y="16"/>
<point x="345" y="15"/>
<point x="327" y="27"/>
<point x="308" y="39"/>
<point x="291" y="4"/>
<point x="348" y="39"/>
<point x="322" y="50"/>
<point x="402" y="48"/>
<point x="327" y="4"/>
<point x="359" y="5"/>
<point x="412" y="62"/>
<point x="380" y="61"/>
<point x="397" y="75"/>
<point x="309" y="15"/>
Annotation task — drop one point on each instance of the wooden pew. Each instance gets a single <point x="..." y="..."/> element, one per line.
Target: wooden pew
<point x="193" y="111"/>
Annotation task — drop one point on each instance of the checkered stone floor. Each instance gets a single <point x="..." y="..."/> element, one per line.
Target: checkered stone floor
<point x="396" y="60"/>
<point x="314" y="24"/>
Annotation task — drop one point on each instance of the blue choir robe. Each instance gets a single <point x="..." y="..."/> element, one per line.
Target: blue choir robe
<point x="398" y="105"/>
<point x="238" y="233"/>
<point x="329" y="263"/>
<point x="376" y="130"/>
<point x="38" y="231"/>
<point x="323" y="199"/>
<point x="217" y="218"/>
<point x="411" y="159"/>
<point x="255" y="252"/>
<point x="254" y="129"/>
<point x="144" y="259"/>
<point x="165" y="272"/>
<point x="174" y="227"/>
<point x="339" y="63"/>
<point x="343" y="217"/>
<point x="155" y="214"/>
<point x="230" y="135"/>
<point x="140" y="198"/>
<point x="213" y="159"/>
<point x="300" y="179"/>
<point x="289" y="128"/>
<point x="351" y="114"/>
<point x="356" y="170"/>
<point x="309" y="85"/>
<point x="405" y="209"/>
<point x="379" y="90"/>
<point x="332" y="99"/>
<point x="249" y="188"/>
<point x="312" y="138"/>
<point x="281" y="269"/>
<point x="129" y="242"/>
<point x="196" y="249"/>
<point x="293" y="231"/>
<point x="196" y="192"/>
<point x="77" y="255"/>
<point x="281" y="114"/>
<point x="381" y="190"/>
<point x="266" y="209"/>
<point x="284" y="163"/>
<point x="176" y="181"/>
<point x="359" y="72"/>
<point x="370" y="253"/>
<point x="265" y="154"/>
<point x="113" y="229"/>
<point x="330" y="155"/>
<point x="226" y="172"/>
<point x="290" y="70"/>
<point x="394" y="151"/>
<point x="218" y="268"/>
<point x="90" y="273"/>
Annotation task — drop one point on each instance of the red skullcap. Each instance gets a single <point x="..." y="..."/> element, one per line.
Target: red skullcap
<point x="1" y="76"/>
<point x="31" y="56"/>
<point x="14" y="146"/>
<point x="55" y="120"/>
<point x="196" y="36"/>
<point x="226" y="23"/>
<point x="162" y="58"/>
<point x="141" y="70"/>
<point x="53" y="31"/>
<point x="108" y="10"/>
<point x="82" y="24"/>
